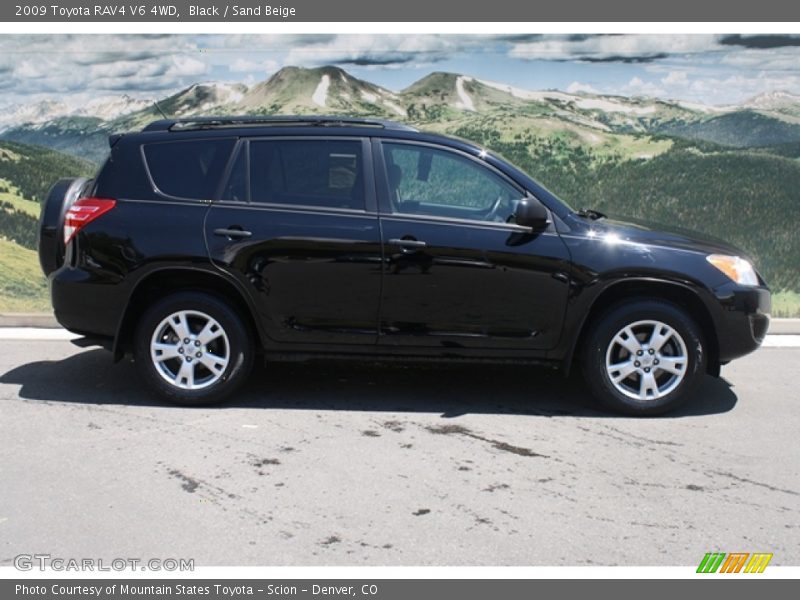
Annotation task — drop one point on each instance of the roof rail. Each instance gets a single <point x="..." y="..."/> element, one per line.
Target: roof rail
<point x="190" y="123"/>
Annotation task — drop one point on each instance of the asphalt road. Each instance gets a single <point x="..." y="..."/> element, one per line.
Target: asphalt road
<point x="353" y="464"/>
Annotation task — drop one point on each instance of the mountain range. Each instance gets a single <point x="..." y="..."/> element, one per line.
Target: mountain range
<point x="437" y="101"/>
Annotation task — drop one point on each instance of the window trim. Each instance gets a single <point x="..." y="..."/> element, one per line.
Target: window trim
<point x="386" y="208"/>
<point x="370" y="203"/>
<point x="240" y="148"/>
<point x="511" y="227"/>
<point x="223" y="178"/>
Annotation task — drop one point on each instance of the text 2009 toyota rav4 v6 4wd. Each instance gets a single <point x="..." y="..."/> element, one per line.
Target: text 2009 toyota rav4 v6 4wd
<point x="204" y="241"/>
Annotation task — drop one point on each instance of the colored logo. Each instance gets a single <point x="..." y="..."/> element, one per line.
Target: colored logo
<point x="735" y="562"/>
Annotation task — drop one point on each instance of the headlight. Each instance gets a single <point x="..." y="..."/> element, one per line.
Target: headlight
<point x="738" y="269"/>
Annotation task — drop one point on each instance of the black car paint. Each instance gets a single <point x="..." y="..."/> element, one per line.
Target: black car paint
<point x="328" y="280"/>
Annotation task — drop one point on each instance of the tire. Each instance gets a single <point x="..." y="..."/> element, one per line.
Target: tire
<point x="214" y="363"/>
<point x="650" y="383"/>
<point x="51" y="221"/>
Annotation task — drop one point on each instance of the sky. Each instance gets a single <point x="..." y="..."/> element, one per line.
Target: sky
<point x="711" y="69"/>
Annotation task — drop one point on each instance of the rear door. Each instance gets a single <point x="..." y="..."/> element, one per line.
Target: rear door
<point x="459" y="273"/>
<point x="296" y="223"/>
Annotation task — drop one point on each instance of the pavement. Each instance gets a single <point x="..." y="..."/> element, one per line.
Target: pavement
<point x="362" y="464"/>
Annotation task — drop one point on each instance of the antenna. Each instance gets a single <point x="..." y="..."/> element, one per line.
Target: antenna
<point x="158" y="108"/>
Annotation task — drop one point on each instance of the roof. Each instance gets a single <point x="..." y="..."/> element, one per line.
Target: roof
<point x="239" y="122"/>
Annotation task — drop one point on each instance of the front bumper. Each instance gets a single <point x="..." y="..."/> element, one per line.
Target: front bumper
<point x="741" y="319"/>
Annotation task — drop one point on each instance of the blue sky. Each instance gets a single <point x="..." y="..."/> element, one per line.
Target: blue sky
<point x="713" y="69"/>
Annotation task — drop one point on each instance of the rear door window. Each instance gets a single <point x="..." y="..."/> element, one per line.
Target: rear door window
<point x="314" y="172"/>
<point x="188" y="168"/>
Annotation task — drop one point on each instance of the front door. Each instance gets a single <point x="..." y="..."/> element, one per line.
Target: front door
<point x="458" y="273"/>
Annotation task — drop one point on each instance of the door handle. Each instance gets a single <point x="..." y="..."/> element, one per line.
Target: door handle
<point x="407" y="243"/>
<point x="233" y="233"/>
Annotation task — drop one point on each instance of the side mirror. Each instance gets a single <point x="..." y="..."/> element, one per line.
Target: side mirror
<point x="531" y="213"/>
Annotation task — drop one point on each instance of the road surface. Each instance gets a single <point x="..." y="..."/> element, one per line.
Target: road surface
<point x="359" y="464"/>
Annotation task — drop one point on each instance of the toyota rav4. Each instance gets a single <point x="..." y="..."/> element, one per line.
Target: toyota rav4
<point x="205" y="243"/>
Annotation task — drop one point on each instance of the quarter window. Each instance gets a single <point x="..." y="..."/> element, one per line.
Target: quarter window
<point x="427" y="181"/>
<point x="188" y="168"/>
<point x="326" y="173"/>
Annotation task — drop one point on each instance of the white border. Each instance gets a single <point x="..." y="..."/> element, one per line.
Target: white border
<point x="478" y="28"/>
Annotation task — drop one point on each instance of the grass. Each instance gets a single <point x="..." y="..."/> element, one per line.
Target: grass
<point x="785" y="304"/>
<point x="14" y="198"/>
<point x="23" y="288"/>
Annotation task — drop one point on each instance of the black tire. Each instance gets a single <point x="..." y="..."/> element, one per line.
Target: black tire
<point x="688" y="346"/>
<point x="235" y="337"/>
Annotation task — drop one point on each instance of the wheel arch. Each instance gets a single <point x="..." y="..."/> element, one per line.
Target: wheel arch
<point x="162" y="282"/>
<point x="657" y="289"/>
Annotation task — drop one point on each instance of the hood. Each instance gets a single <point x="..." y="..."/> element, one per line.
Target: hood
<point x="646" y="232"/>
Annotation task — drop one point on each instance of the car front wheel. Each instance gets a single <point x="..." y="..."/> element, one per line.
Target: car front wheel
<point x="193" y="349"/>
<point x="644" y="357"/>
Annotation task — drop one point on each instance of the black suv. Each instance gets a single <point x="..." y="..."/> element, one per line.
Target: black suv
<point x="204" y="242"/>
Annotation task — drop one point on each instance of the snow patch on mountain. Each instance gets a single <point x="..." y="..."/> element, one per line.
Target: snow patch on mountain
<point x="320" y="95"/>
<point x="465" y="102"/>
<point x="611" y="106"/>
<point x="528" y="94"/>
<point x="703" y="108"/>
<point x="111" y="107"/>
<point x="224" y="93"/>
<point x="32" y="113"/>
<point x="395" y="107"/>
<point x="368" y="96"/>
<point x="773" y="100"/>
<point x="105" y="108"/>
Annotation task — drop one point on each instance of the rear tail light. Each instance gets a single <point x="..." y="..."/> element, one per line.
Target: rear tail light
<point x="83" y="212"/>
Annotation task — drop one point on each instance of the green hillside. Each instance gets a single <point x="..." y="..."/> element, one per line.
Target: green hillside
<point x="742" y="129"/>
<point x="742" y="198"/>
<point x="26" y="173"/>
<point x="84" y="137"/>
<point x="33" y="169"/>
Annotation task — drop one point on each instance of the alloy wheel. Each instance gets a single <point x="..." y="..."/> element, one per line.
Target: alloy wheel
<point x="646" y="360"/>
<point x="190" y="350"/>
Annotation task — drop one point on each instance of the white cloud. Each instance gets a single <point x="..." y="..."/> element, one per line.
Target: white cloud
<point x="186" y="66"/>
<point x="676" y="78"/>
<point x="246" y="65"/>
<point x="613" y="48"/>
<point x="638" y="87"/>
<point x="777" y="59"/>
<point x="71" y="64"/>
<point x="577" y="87"/>
<point x="29" y="69"/>
<point x="378" y="50"/>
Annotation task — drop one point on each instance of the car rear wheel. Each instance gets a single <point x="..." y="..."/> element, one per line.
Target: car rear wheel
<point x="644" y="357"/>
<point x="193" y="349"/>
